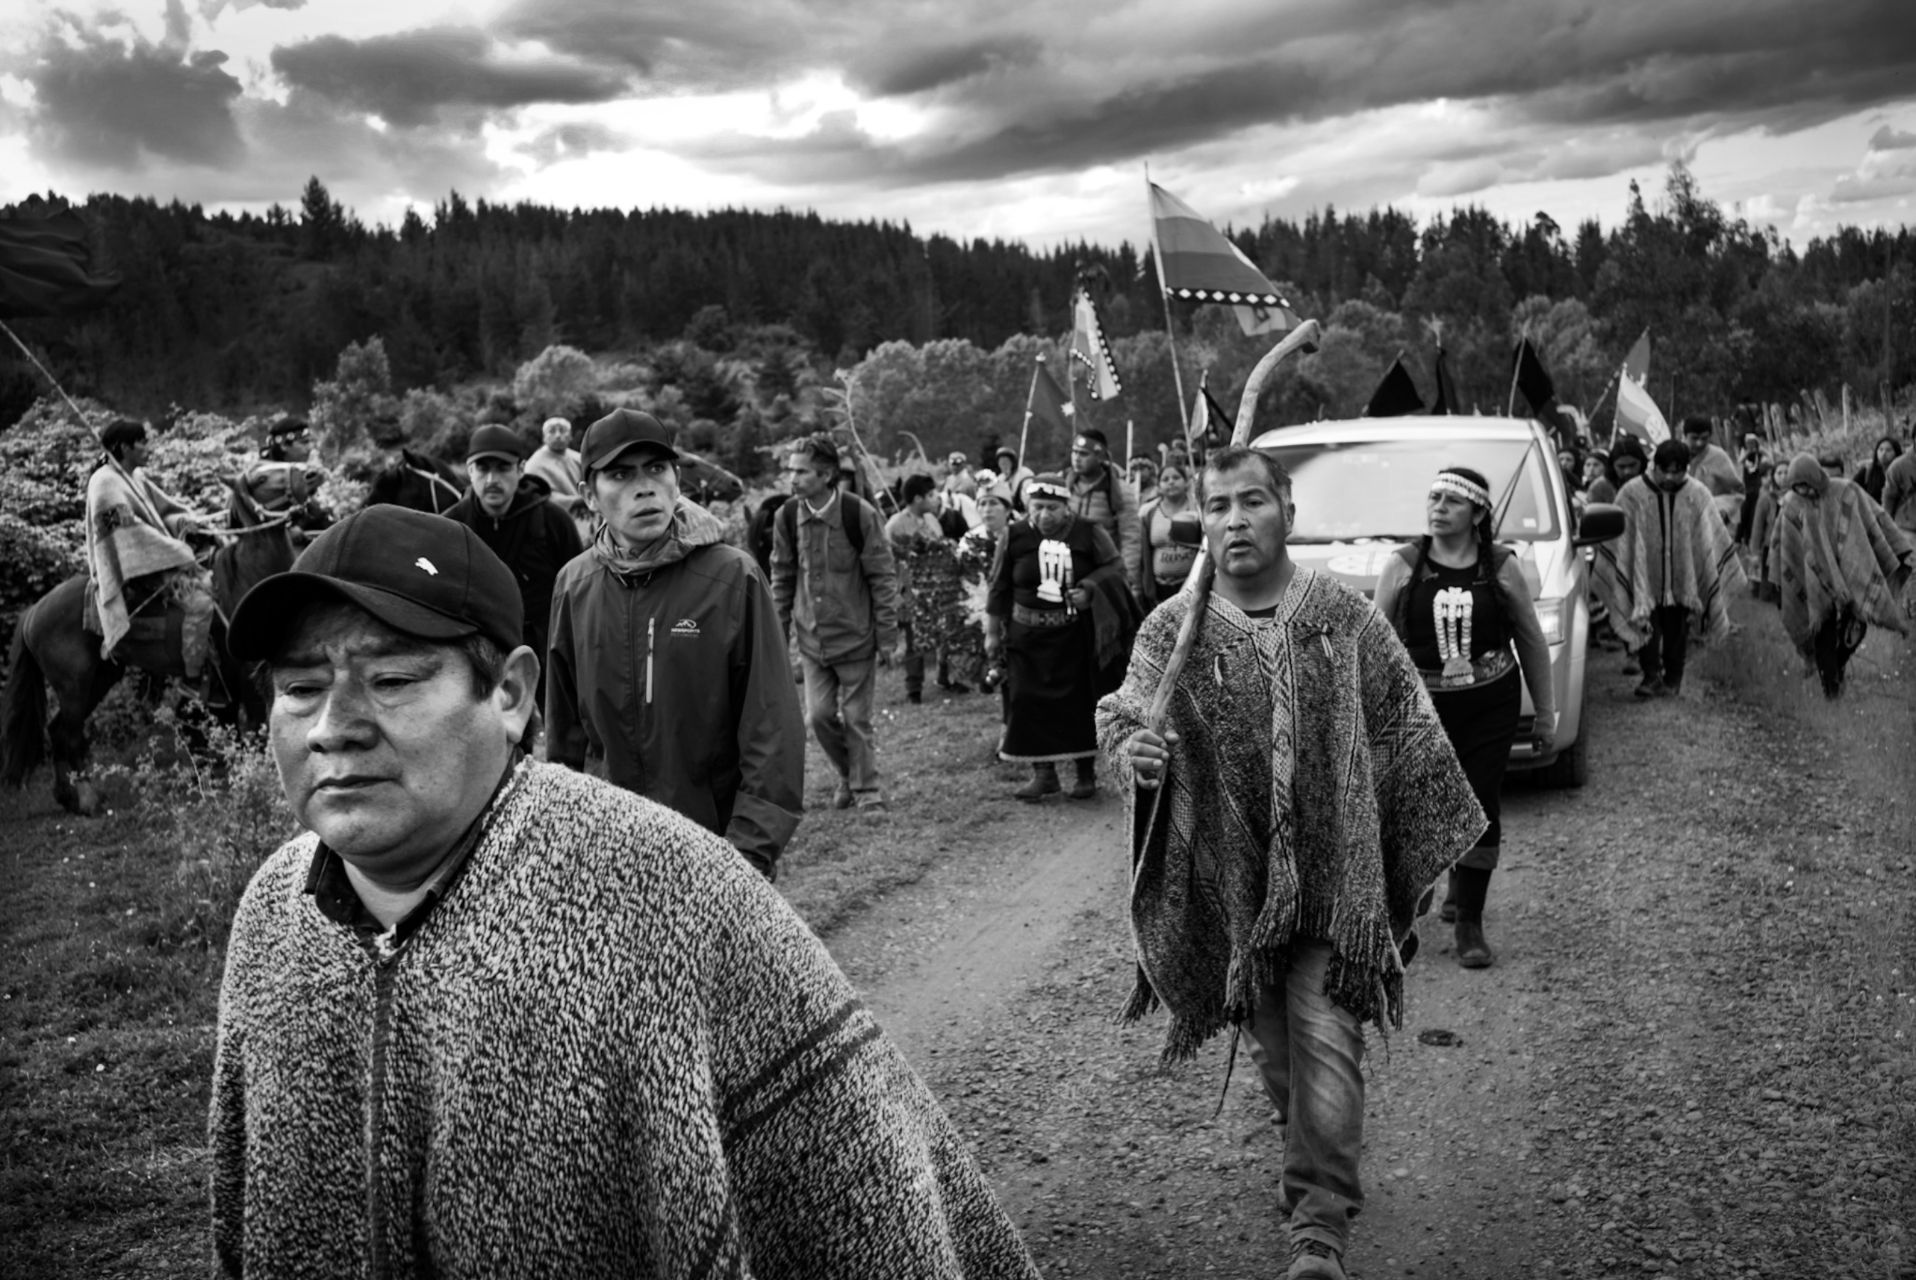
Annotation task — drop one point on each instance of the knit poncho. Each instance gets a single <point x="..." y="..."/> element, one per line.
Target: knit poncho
<point x="1674" y="551"/>
<point x="611" y="1050"/>
<point x="1834" y="551"/>
<point x="1313" y="794"/>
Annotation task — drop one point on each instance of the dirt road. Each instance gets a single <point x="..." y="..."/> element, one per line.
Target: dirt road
<point x="1692" y="1056"/>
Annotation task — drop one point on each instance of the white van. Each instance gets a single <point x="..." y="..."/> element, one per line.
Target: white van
<point x="1361" y="488"/>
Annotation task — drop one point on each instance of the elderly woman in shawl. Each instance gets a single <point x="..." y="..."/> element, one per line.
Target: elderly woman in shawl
<point x="1060" y="612"/>
<point x="1840" y="565"/>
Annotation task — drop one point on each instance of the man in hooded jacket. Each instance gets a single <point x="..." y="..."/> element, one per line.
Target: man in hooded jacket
<point x="666" y="670"/>
<point x="510" y="512"/>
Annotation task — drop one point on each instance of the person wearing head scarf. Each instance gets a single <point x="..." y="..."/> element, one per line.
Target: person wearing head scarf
<point x="1675" y="561"/>
<point x="1459" y="602"/>
<point x="977" y="552"/>
<point x="1059" y="612"/>
<point x="1841" y="564"/>
<point x="1763" y="527"/>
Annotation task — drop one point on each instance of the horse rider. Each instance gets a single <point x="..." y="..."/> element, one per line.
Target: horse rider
<point x="139" y="566"/>
<point x="285" y="476"/>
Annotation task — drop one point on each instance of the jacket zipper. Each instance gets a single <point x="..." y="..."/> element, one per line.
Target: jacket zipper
<point x="651" y="626"/>
<point x="385" y="963"/>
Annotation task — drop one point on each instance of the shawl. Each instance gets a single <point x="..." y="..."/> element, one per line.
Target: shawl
<point x="1674" y="550"/>
<point x="692" y="527"/>
<point x="127" y="538"/>
<point x="1313" y="794"/>
<point x="610" y="1049"/>
<point x="1838" y="550"/>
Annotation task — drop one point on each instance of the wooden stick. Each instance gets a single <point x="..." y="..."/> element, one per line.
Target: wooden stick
<point x="28" y="353"/>
<point x="1303" y="338"/>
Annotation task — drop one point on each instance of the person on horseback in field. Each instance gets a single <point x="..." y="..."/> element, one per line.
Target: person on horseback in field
<point x="139" y="565"/>
<point x="286" y="475"/>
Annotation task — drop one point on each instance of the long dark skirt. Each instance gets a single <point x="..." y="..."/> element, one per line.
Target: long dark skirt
<point x="1481" y="723"/>
<point x="1051" y="678"/>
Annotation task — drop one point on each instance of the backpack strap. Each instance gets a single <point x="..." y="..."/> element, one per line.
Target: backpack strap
<point x="850" y="514"/>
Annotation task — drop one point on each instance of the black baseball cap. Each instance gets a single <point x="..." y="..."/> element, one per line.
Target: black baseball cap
<point x="422" y="575"/>
<point x="495" y="441"/>
<point x="624" y="429"/>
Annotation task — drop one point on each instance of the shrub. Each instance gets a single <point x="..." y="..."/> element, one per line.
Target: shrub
<point x="556" y="381"/>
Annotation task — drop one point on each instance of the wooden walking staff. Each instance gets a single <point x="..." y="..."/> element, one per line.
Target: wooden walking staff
<point x="1303" y="338"/>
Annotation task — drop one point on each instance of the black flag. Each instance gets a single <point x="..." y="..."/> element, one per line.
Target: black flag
<point x="1532" y="379"/>
<point x="1396" y="395"/>
<point x="46" y="265"/>
<point x="1447" y="402"/>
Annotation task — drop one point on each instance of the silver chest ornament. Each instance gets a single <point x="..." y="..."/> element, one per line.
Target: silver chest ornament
<point x="1450" y="610"/>
<point x="1054" y="572"/>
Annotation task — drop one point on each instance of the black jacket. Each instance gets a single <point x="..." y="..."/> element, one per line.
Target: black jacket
<point x="535" y="539"/>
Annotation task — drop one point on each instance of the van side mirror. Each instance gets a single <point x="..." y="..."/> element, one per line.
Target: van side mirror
<point x="1601" y="522"/>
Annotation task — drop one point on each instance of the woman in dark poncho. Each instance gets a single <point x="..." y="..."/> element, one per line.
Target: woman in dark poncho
<point x="1459" y="603"/>
<point x="1060" y="612"/>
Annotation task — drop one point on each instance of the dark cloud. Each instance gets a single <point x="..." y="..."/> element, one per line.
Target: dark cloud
<point x="104" y="102"/>
<point x="888" y="72"/>
<point x="409" y="78"/>
<point x="1888" y="139"/>
<point x="712" y="45"/>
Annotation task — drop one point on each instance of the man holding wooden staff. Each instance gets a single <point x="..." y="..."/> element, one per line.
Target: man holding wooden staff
<point x="1291" y="810"/>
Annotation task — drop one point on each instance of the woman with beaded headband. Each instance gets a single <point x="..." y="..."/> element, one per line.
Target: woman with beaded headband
<point x="1459" y="603"/>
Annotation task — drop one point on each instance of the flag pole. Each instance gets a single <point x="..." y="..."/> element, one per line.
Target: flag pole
<point x="1516" y="367"/>
<point x="1024" y="432"/>
<point x="1170" y="328"/>
<point x="44" y="372"/>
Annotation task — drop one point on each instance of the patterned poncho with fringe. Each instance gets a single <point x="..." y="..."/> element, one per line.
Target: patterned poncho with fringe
<point x="1312" y="794"/>
<point x="1675" y="550"/>
<point x="1838" y="550"/>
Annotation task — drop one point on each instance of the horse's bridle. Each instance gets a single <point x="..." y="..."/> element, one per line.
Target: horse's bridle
<point x="434" y="484"/>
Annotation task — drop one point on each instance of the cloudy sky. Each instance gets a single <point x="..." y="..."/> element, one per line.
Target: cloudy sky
<point x="972" y="117"/>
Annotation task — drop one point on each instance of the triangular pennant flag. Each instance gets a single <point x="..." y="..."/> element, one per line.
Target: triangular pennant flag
<point x="1637" y="413"/>
<point x="46" y="265"/>
<point x="1637" y="363"/>
<point x="1050" y="405"/>
<point x="1396" y="394"/>
<point x="1218" y="424"/>
<point x="1197" y="263"/>
<point x="1090" y="354"/>
<point x="1447" y="402"/>
<point x="1531" y="377"/>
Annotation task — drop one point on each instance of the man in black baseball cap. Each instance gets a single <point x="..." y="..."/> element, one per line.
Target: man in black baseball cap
<point x="551" y="972"/>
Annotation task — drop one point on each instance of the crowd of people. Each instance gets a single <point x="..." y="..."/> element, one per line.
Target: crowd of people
<point x="497" y="1012"/>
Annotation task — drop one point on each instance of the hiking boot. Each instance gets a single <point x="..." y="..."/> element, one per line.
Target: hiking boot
<point x="1670" y="688"/>
<point x="914" y="697"/>
<point x="1473" y="952"/>
<point x="842" y="794"/>
<point x="1087" y="783"/>
<point x="871" y="800"/>
<point x="1044" y="782"/>
<point x="1652" y="688"/>
<point x="1315" y="1260"/>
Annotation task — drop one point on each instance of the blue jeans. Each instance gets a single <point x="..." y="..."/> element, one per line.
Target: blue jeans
<point x="838" y="703"/>
<point x="1310" y="1053"/>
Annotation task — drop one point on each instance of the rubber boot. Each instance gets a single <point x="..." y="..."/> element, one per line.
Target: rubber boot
<point x="1087" y="784"/>
<point x="1044" y="782"/>
<point x="1473" y="886"/>
<point x="1448" y="912"/>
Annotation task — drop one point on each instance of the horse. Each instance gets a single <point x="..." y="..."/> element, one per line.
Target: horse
<point x="52" y="647"/>
<point x="418" y="482"/>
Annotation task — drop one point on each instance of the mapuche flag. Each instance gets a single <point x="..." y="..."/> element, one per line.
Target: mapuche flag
<point x="1637" y="363"/>
<point x="1530" y="377"/>
<point x="1197" y="263"/>
<point x="1637" y="413"/>
<point x="1050" y="405"/>
<point x="1089" y="350"/>
<point x="1396" y="394"/>
<point x="46" y="266"/>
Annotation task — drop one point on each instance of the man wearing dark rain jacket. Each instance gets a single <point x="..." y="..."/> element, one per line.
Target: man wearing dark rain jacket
<point x="666" y="670"/>
<point x="510" y="512"/>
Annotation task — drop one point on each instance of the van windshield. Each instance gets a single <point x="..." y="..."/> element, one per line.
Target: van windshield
<point x="1377" y="488"/>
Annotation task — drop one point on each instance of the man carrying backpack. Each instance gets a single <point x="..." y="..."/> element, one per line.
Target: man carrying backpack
<point x="1100" y="497"/>
<point x="835" y="584"/>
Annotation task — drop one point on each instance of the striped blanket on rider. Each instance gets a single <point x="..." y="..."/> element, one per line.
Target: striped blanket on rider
<point x="131" y="535"/>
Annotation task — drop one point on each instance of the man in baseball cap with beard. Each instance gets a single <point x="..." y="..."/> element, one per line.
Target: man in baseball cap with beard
<point x="494" y="1017"/>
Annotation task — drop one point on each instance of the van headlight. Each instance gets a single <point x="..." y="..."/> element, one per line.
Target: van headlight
<point x="1550" y="614"/>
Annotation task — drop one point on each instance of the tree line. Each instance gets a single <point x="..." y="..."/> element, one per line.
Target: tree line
<point x="246" y="313"/>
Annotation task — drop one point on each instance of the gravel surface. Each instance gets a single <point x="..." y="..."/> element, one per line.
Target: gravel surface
<point x="1692" y="1057"/>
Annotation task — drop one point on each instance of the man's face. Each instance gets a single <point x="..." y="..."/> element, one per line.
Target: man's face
<point x="383" y="749"/>
<point x="1669" y="478"/>
<point x="1049" y="516"/>
<point x="1628" y="467"/>
<point x="494" y="480"/>
<point x="559" y="436"/>
<point x="921" y="505"/>
<point x="1087" y="458"/>
<point x="810" y="479"/>
<point x="1245" y="521"/>
<point x="296" y="446"/>
<point x="636" y="494"/>
<point x="1698" y="442"/>
<point x="134" y="454"/>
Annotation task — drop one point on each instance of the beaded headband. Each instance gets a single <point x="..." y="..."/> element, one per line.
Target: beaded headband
<point x="1452" y="483"/>
<point x="1047" y="487"/>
